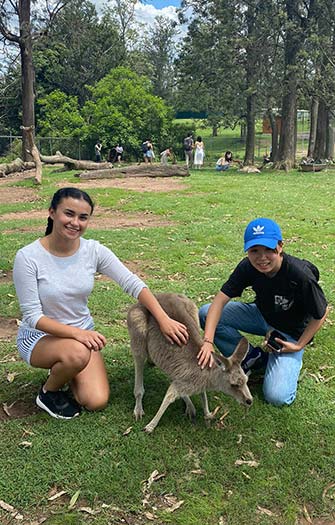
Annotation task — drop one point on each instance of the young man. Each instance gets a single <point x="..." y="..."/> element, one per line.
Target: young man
<point x="188" y="149"/>
<point x="288" y="299"/>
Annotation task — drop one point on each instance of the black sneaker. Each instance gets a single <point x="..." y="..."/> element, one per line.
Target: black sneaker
<point x="256" y="359"/>
<point x="57" y="404"/>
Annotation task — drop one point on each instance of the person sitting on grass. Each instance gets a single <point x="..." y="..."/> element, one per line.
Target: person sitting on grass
<point x="224" y="163"/>
<point x="54" y="277"/>
<point x="288" y="299"/>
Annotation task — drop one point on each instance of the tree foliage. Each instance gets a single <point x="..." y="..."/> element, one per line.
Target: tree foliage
<point x="123" y="109"/>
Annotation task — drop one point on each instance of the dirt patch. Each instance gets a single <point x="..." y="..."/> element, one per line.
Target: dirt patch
<point x="6" y="277"/>
<point x="14" y="194"/>
<point x="17" y="410"/>
<point x="103" y="219"/>
<point x="8" y="328"/>
<point x="141" y="184"/>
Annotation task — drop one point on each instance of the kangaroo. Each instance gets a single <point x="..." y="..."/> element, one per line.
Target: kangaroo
<point x="181" y="364"/>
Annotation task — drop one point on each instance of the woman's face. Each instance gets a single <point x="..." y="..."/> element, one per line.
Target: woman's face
<point x="71" y="218"/>
<point x="266" y="260"/>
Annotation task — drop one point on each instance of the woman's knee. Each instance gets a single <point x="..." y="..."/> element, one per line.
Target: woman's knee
<point x="97" y="402"/>
<point x="77" y="357"/>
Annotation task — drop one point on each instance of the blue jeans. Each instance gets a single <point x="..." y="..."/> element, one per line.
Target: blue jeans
<point x="282" y="371"/>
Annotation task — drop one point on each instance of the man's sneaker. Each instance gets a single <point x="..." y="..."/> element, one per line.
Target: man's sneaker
<point x="256" y="359"/>
<point x="57" y="404"/>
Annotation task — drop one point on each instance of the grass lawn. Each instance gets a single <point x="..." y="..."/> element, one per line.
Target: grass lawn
<point x="106" y="468"/>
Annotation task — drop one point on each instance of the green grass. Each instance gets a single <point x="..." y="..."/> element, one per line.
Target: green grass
<point x="294" y="447"/>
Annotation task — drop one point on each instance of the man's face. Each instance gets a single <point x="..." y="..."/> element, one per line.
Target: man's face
<point x="266" y="260"/>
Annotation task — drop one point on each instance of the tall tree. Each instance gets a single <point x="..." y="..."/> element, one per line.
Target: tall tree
<point x="16" y="28"/>
<point x="79" y="50"/>
<point x="159" y="47"/>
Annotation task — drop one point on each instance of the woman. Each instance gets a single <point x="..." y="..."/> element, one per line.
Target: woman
<point x="199" y="153"/>
<point x="288" y="299"/>
<point x="54" y="277"/>
<point x="223" y="163"/>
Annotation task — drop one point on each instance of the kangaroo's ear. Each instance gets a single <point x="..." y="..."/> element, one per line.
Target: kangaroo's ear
<point x="220" y="360"/>
<point x="240" y="351"/>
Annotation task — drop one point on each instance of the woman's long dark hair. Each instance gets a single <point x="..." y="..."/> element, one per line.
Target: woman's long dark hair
<point x="64" y="193"/>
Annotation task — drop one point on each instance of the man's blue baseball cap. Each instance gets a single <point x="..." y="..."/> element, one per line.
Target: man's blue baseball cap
<point x="263" y="232"/>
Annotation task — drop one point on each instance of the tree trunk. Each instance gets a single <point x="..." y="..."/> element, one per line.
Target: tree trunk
<point x="15" y="166"/>
<point x="27" y="77"/>
<point x="140" y="170"/>
<point x="321" y="132"/>
<point x="312" y="128"/>
<point x="274" y="136"/>
<point x="330" y="137"/>
<point x="74" y="164"/>
<point x="33" y="151"/>
<point x="293" y="43"/>
<point x="251" y="78"/>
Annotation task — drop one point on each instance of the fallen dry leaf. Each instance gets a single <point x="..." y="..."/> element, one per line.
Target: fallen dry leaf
<point x="88" y="510"/>
<point x="224" y="415"/>
<point x="73" y="500"/>
<point x="262" y="510"/>
<point x="150" y="516"/>
<point x="58" y="495"/>
<point x="25" y="444"/>
<point x="306" y="514"/>
<point x="175" y="506"/>
<point x="239" y="439"/>
<point x="6" y="506"/>
<point x="246" y="475"/>
<point x="216" y="409"/>
<point x="248" y="462"/>
<point x="327" y="489"/>
<point x="126" y="432"/>
<point x="11" y="376"/>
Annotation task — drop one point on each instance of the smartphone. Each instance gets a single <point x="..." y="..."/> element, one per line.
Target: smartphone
<point x="274" y="345"/>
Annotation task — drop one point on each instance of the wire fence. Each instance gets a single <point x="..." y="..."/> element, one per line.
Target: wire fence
<point x="10" y="146"/>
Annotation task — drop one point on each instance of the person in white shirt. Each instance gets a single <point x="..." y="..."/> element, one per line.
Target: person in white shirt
<point x="54" y="277"/>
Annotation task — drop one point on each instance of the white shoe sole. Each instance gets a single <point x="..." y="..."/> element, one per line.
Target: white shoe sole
<point x="56" y="416"/>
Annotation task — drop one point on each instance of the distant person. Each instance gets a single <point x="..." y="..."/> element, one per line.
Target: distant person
<point x="112" y="155"/>
<point x="224" y="163"/>
<point x="165" y="155"/>
<point x="97" y="150"/>
<point x="119" y="153"/>
<point x="199" y="153"/>
<point x="53" y="278"/>
<point x="145" y="146"/>
<point x="188" y="149"/>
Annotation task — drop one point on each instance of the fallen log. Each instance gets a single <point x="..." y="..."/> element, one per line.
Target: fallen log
<point x="74" y="164"/>
<point x="137" y="170"/>
<point x="15" y="166"/>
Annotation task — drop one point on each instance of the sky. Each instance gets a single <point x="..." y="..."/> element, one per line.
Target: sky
<point x="149" y="9"/>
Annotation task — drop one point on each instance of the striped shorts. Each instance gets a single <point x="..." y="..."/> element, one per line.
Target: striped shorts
<point x="26" y="341"/>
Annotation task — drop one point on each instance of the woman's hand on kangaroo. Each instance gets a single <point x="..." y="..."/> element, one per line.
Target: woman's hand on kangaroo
<point x="205" y="357"/>
<point x="174" y="331"/>
<point x="91" y="339"/>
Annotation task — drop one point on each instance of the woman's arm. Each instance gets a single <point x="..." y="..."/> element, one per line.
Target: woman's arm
<point x="90" y="338"/>
<point x="174" y="331"/>
<point x="205" y="355"/>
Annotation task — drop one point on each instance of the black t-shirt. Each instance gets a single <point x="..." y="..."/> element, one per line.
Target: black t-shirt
<point x="287" y="301"/>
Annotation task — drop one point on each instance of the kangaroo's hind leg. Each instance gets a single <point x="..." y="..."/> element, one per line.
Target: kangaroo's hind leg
<point x="139" y="361"/>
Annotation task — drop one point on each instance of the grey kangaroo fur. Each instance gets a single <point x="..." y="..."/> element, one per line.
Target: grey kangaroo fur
<point x="180" y="363"/>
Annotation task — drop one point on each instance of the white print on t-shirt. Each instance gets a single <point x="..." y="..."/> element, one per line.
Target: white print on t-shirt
<point x="283" y="302"/>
